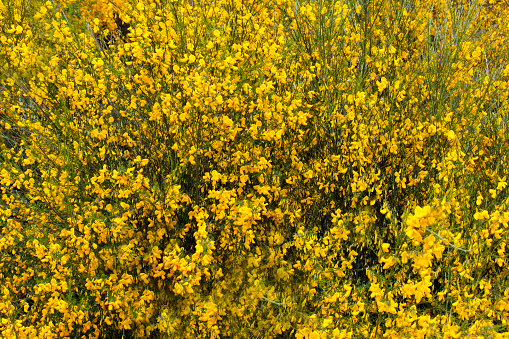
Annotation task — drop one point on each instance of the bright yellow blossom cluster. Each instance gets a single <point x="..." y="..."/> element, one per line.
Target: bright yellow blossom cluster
<point x="254" y="169"/>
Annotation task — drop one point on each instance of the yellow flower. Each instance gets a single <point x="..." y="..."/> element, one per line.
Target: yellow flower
<point x="382" y="84"/>
<point x="215" y="176"/>
<point x="422" y="212"/>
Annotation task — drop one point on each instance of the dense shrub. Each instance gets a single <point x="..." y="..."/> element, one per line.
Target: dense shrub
<point x="252" y="169"/>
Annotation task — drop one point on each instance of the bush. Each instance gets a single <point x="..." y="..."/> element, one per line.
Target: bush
<point x="246" y="169"/>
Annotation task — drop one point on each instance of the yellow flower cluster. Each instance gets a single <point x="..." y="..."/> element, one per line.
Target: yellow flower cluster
<point x="254" y="169"/>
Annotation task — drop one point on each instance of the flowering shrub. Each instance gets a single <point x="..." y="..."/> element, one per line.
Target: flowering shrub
<point x="247" y="169"/>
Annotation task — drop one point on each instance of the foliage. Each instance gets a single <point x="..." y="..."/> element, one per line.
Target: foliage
<point x="246" y="169"/>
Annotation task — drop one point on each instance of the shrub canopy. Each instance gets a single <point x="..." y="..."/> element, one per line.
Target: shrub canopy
<point x="246" y="169"/>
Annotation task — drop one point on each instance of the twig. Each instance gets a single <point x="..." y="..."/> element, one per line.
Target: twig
<point x="448" y="242"/>
<point x="271" y="301"/>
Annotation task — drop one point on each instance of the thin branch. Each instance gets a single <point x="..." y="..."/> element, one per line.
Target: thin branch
<point x="448" y="242"/>
<point x="271" y="301"/>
